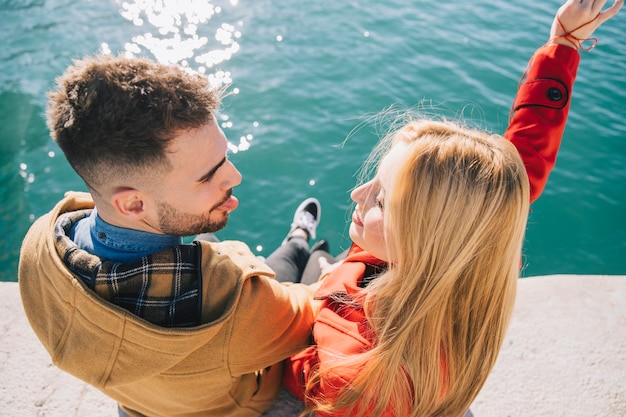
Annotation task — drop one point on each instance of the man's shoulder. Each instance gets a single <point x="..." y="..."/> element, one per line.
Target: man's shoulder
<point x="234" y="254"/>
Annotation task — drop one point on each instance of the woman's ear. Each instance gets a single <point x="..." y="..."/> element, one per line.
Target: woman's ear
<point x="129" y="203"/>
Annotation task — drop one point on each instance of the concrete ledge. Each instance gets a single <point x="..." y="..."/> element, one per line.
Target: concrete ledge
<point x="565" y="355"/>
<point x="565" y="351"/>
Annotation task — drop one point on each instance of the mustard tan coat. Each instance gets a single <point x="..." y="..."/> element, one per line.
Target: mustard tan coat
<point x="219" y="368"/>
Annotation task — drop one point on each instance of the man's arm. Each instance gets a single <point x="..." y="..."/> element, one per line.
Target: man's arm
<point x="273" y="321"/>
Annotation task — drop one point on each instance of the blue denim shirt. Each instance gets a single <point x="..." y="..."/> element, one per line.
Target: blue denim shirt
<point x="117" y="243"/>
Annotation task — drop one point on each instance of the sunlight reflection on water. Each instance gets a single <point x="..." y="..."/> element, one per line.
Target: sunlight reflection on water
<point x="175" y="35"/>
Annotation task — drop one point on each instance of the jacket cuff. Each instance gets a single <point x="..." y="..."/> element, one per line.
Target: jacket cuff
<point x="557" y="66"/>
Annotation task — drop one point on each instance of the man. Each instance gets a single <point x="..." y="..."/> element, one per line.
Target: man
<point x="114" y="295"/>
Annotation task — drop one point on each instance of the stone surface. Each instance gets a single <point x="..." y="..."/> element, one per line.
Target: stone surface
<point x="564" y="355"/>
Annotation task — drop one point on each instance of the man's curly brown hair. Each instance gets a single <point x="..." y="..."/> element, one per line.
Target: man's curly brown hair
<point x="111" y="114"/>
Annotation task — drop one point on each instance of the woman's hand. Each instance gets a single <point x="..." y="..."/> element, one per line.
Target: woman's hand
<point x="576" y="20"/>
<point x="326" y="266"/>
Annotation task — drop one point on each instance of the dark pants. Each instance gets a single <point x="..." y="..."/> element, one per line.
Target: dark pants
<point x="288" y="261"/>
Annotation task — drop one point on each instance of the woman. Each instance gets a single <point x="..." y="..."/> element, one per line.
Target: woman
<point x="413" y="319"/>
<point x="444" y="299"/>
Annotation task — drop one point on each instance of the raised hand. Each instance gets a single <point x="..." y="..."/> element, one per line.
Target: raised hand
<point x="576" y="20"/>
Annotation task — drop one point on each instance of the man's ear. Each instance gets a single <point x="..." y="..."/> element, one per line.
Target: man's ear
<point x="129" y="203"/>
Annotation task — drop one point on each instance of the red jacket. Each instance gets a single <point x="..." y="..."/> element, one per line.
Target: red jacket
<point x="340" y="326"/>
<point x="538" y="120"/>
<point x="540" y="111"/>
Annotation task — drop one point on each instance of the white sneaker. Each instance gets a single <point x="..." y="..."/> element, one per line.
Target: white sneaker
<point x="306" y="217"/>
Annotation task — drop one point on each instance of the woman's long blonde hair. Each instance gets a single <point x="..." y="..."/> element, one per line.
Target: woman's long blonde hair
<point x="454" y="217"/>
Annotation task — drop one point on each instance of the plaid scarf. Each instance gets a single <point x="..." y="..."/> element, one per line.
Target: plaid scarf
<point x="163" y="288"/>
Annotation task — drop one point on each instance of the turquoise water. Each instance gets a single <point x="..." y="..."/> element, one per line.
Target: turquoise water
<point x="307" y="76"/>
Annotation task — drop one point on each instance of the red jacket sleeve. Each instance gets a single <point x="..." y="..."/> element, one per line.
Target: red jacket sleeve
<point x="540" y="111"/>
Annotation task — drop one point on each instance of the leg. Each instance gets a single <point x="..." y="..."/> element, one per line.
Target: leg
<point x="289" y="260"/>
<point x="312" y="271"/>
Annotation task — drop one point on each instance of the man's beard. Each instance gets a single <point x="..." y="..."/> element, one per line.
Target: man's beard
<point x="176" y="223"/>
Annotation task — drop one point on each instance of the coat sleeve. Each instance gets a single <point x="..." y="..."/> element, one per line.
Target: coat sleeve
<point x="273" y="321"/>
<point x="539" y="112"/>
